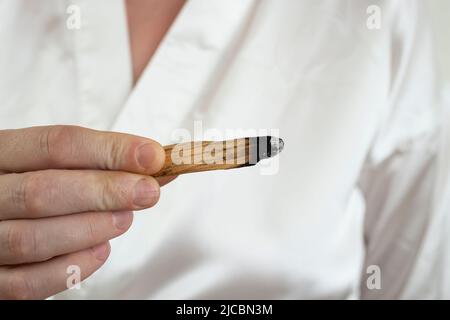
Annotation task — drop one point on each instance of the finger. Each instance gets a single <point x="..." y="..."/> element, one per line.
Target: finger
<point x="44" y="279"/>
<point x="59" y="192"/>
<point x="165" y="180"/>
<point x="70" y="147"/>
<point x="25" y="241"/>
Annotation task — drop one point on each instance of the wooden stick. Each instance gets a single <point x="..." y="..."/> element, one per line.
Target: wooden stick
<point x="202" y="156"/>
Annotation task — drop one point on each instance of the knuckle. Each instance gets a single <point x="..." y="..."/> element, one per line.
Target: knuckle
<point x="57" y="142"/>
<point x="106" y="198"/>
<point x="112" y="194"/>
<point x="17" y="193"/>
<point x="29" y="192"/>
<point x="91" y="228"/>
<point x="18" y="287"/>
<point x="114" y="150"/>
<point x="46" y="141"/>
<point x="20" y="243"/>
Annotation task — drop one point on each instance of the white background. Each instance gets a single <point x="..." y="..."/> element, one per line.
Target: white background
<point x="440" y="13"/>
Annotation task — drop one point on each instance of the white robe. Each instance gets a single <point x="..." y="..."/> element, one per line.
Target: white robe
<point x="362" y="181"/>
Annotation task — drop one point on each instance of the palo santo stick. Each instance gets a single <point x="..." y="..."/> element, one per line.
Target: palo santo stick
<point x="201" y="156"/>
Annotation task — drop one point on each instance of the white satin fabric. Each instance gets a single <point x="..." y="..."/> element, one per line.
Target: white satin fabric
<point x="363" y="179"/>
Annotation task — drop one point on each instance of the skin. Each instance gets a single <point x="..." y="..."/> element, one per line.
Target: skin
<point x="149" y="22"/>
<point x="66" y="191"/>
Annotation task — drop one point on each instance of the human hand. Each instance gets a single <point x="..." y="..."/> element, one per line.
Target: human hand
<point x="65" y="191"/>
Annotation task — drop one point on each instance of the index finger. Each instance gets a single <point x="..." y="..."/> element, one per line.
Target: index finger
<point x="71" y="147"/>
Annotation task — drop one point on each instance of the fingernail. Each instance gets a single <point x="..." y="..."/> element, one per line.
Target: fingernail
<point x="146" y="155"/>
<point x="122" y="220"/>
<point x="101" y="252"/>
<point x="145" y="193"/>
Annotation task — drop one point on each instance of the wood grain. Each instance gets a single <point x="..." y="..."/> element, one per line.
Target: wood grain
<point x="201" y="156"/>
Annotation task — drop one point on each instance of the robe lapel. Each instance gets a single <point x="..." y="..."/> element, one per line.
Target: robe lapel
<point x="102" y="60"/>
<point x="183" y="69"/>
